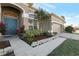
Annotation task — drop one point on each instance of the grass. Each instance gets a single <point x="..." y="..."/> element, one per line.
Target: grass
<point x="68" y="48"/>
<point x="76" y="32"/>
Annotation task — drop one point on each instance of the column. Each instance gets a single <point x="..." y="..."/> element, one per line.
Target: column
<point x="25" y="21"/>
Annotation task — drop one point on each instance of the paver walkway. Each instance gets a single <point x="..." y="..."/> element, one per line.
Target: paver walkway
<point x="69" y="36"/>
<point x="20" y="47"/>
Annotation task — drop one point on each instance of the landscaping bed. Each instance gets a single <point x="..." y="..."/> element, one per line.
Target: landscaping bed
<point x="5" y="49"/>
<point x="30" y="40"/>
<point x="68" y="48"/>
<point x="4" y="44"/>
<point x="40" y="37"/>
<point x="30" y="36"/>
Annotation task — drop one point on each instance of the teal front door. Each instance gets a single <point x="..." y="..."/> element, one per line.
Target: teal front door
<point x="11" y="25"/>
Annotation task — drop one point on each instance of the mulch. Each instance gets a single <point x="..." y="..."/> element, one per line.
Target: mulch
<point x="4" y="44"/>
<point x="40" y="37"/>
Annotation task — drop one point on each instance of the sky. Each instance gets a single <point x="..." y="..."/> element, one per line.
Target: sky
<point x="69" y="10"/>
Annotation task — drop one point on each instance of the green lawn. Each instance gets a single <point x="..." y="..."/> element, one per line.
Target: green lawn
<point x="76" y="33"/>
<point x="68" y="48"/>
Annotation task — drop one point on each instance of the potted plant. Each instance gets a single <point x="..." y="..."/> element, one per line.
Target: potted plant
<point x="20" y="31"/>
<point x="2" y="28"/>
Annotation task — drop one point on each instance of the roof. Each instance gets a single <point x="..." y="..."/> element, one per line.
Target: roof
<point x="61" y="18"/>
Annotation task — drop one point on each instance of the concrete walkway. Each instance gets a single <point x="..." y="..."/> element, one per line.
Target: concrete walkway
<point x="20" y="47"/>
<point x="69" y="36"/>
<point x="46" y="48"/>
<point x="23" y="49"/>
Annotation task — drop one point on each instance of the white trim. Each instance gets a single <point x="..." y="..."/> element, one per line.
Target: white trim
<point x="57" y="22"/>
<point x="23" y="14"/>
<point x="53" y="20"/>
<point x="56" y="19"/>
<point x="27" y="15"/>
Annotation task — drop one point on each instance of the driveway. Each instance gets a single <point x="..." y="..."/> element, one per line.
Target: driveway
<point x="69" y="36"/>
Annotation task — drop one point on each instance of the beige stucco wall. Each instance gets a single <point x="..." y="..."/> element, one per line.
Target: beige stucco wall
<point x="25" y="7"/>
<point x="57" y="20"/>
<point x="25" y="22"/>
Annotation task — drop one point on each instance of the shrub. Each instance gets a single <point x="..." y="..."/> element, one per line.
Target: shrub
<point x="69" y="29"/>
<point x="54" y="33"/>
<point x="20" y="30"/>
<point x="49" y="34"/>
<point x="2" y="28"/>
<point x="30" y="34"/>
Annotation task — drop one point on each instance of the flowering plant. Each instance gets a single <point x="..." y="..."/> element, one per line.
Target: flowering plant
<point x="20" y="30"/>
<point x="2" y="28"/>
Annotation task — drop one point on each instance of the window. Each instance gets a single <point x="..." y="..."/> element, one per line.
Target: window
<point x="33" y="24"/>
<point x="32" y="15"/>
<point x="35" y="27"/>
<point x="32" y="27"/>
<point x="30" y="21"/>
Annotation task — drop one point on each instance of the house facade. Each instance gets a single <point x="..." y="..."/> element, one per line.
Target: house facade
<point x="55" y="24"/>
<point x="14" y="15"/>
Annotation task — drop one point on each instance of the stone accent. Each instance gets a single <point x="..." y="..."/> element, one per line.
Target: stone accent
<point x="37" y="43"/>
<point x="5" y="51"/>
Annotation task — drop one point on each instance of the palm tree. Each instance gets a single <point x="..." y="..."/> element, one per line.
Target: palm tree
<point x="42" y="14"/>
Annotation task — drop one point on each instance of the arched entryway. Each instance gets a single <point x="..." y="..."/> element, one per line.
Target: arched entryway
<point x="11" y="16"/>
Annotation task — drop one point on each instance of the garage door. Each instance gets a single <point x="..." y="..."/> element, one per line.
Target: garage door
<point x="57" y="28"/>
